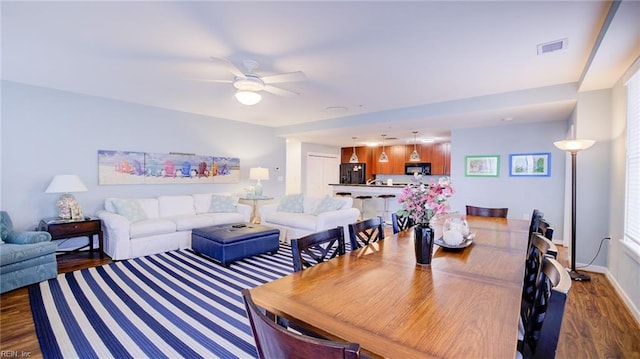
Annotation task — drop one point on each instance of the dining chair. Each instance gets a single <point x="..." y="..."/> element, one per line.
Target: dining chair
<point x="399" y="223"/>
<point x="366" y="232"/>
<point x="539" y="338"/>
<point x="487" y="212"/>
<point x="317" y="247"/>
<point x="536" y="216"/>
<point x="540" y="247"/>
<point x="274" y="341"/>
<point x="545" y="229"/>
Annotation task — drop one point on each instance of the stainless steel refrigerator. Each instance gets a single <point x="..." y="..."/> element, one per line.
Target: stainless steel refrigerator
<point x="353" y="173"/>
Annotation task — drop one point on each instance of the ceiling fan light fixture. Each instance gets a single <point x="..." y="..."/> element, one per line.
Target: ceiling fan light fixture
<point x="248" y="98"/>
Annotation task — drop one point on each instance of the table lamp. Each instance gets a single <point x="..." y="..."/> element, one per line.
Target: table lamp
<point x="573" y="147"/>
<point x="258" y="173"/>
<point x="68" y="206"/>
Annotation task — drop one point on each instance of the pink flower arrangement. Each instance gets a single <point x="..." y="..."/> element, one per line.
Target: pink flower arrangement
<point x="422" y="201"/>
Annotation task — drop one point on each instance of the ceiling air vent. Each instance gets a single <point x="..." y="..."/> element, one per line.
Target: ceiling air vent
<point x="552" y="46"/>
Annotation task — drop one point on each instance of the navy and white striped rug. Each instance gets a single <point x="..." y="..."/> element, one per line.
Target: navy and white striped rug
<point x="169" y="305"/>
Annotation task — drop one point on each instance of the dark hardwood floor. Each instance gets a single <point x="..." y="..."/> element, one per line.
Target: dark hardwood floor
<point x="596" y="323"/>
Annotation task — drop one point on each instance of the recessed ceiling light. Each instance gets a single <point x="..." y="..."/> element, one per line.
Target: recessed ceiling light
<point x="336" y="109"/>
<point x="507" y="119"/>
<point x="552" y="46"/>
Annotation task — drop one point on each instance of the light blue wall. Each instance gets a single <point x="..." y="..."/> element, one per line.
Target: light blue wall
<point x="47" y="132"/>
<point x="520" y="194"/>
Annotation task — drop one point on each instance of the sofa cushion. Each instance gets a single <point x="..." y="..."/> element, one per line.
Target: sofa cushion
<point x="149" y="205"/>
<point x="151" y="227"/>
<point x="4" y="231"/>
<point x="224" y="218"/>
<point x="223" y="204"/>
<point x="185" y="223"/>
<point x="171" y="206"/>
<point x="327" y="204"/>
<point x="294" y="220"/>
<point x="291" y="203"/>
<point x="129" y="208"/>
<point x="202" y="201"/>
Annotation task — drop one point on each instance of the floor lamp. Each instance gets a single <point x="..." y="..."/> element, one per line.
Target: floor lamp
<point x="573" y="147"/>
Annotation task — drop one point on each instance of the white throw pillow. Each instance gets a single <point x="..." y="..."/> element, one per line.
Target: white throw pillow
<point x="130" y="209"/>
<point x="223" y="204"/>
<point x="327" y="204"/>
<point x="291" y="203"/>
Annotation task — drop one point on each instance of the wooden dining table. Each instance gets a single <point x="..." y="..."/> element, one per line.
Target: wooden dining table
<point x="465" y="304"/>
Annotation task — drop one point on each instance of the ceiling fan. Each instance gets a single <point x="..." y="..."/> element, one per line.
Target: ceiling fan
<point x="249" y="84"/>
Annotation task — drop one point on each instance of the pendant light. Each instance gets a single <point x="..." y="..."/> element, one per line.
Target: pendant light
<point x="383" y="155"/>
<point x="354" y="157"/>
<point x="415" y="157"/>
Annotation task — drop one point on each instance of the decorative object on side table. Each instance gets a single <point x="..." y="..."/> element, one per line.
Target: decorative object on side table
<point x="421" y="202"/>
<point x="68" y="206"/>
<point x="259" y="173"/>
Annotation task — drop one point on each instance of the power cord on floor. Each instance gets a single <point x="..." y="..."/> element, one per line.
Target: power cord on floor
<point x="598" y="252"/>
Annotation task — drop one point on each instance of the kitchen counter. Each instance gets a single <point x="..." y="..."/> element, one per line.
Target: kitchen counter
<point x="375" y="206"/>
<point x="395" y="185"/>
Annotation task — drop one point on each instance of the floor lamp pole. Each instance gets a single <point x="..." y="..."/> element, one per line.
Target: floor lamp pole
<point x="575" y="275"/>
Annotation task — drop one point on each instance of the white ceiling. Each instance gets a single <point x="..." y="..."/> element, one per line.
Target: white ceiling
<point x="396" y="67"/>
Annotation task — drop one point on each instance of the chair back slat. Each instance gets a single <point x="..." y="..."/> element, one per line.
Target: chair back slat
<point x="400" y="223"/>
<point x="317" y="247"/>
<point x="487" y="212"/>
<point x="273" y="341"/>
<point x="366" y="232"/>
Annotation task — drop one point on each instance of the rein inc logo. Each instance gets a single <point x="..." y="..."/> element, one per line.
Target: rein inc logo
<point x="14" y="354"/>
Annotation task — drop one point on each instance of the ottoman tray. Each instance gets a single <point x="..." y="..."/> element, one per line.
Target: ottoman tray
<point x="231" y="242"/>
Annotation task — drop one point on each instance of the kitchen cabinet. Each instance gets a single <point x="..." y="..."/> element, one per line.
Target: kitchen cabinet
<point x="438" y="154"/>
<point x="441" y="159"/>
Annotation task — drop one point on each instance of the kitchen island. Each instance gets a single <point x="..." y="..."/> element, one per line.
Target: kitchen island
<point x="374" y="206"/>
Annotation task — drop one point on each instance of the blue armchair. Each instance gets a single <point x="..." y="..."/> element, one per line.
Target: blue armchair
<point x="25" y="257"/>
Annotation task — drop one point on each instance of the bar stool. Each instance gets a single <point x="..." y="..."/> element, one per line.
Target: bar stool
<point x="385" y="198"/>
<point x="363" y="199"/>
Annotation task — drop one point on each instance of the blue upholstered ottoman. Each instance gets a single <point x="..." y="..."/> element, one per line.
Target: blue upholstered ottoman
<point x="231" y="242"/>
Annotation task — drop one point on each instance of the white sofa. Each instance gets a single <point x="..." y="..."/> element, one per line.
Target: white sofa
<point x="295" y="225"/>
<point x="162" y="224"/>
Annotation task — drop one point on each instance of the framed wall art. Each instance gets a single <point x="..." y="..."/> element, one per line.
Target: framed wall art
<point x="125" y="167"/>
<point x="482" y="166"/>
<point x="530" y="164"/>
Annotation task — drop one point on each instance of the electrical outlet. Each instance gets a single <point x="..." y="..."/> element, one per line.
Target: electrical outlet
<point x="525" y="216"/>
<point x="280" y="178"/>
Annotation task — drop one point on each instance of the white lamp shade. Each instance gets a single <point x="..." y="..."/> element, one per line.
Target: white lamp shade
<point x="574" y="145"/>
<point x="259" y="173"/>
<point x="66" y="184"/>
<point x="248" y="98"/>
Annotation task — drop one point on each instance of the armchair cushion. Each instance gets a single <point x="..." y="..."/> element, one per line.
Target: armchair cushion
<point x="327" y="204"/>
<point x="28" y="237"/>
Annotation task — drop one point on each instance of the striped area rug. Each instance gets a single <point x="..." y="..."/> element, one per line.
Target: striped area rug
<point x="169" y="305"/>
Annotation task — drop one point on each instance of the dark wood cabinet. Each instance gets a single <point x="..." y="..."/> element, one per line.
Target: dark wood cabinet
<point x="441" y="159"/>
<point x="62" y="229"/>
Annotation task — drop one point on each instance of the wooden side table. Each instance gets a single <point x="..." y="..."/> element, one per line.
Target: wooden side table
<point x="62" y="229"/>
<point x="255" y="219"/>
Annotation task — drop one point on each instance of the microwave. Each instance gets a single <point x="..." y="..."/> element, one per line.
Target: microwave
<point x="423" y="168"/>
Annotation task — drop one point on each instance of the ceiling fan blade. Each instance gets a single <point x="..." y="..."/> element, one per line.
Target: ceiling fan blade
<point x="228" y="65"/>
<point x="286" y="77"/>
<point x="210" y="80"/>
<point x="279" y="91"/>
